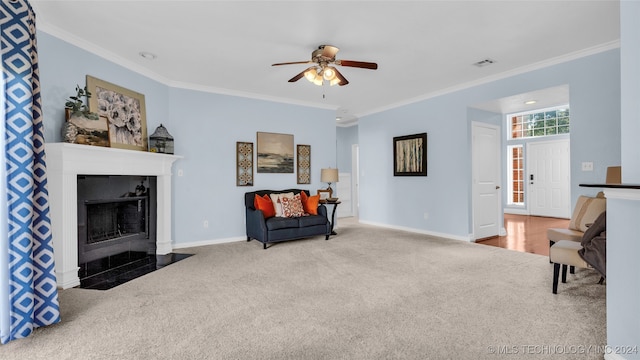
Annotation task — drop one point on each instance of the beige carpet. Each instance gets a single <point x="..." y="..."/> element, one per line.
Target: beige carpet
<point x="368" y="293"/>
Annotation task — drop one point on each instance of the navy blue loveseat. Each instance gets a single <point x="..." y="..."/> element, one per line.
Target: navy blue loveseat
<point x="276" y="229"/>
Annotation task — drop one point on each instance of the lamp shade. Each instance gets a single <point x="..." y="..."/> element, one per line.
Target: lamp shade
<point x="329" y="175"/>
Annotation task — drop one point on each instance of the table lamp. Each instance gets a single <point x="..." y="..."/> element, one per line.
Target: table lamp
<point x="329" y="176"/>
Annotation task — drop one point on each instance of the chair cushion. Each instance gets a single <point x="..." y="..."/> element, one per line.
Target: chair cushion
<point x="277" y="222"/>
<point x="557" y="234"/>
<point x="566" y="252"/>
<point x="586" y="212"/>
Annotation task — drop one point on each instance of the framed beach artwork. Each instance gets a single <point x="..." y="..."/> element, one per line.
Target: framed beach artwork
<point x="410" y="155"/>
<point x="125" y="113"/>
<point x="82" y="130"/>
<point x="275" y="153"/>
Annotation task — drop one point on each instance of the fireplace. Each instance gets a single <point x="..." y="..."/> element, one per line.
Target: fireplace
<point x="116" y="222"/>
<point x="65" y="162"/>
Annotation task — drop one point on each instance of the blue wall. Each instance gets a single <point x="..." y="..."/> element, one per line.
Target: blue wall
<point x="445" y="194"/>
<point x="346" y="137"/>
<point x="206" y="127"/>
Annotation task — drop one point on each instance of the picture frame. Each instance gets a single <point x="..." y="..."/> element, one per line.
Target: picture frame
<point x="275" y="153"/>
<point x="81" y="130"/>
<point x="303" y="158"/>
<point x="410" y="155"/>
<point x="125" y="112"/>
<point x="324" y="194"/>
<point x="244" y="163"/>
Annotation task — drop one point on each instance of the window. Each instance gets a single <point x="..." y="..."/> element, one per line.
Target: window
<point x="516" y="175"/>
<point x="546" y="122"/>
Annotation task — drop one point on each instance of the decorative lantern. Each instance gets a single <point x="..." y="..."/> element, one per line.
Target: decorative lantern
<point x="161" y="141"/>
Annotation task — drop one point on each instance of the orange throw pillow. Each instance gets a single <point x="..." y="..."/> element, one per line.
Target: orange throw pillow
<point x="265" y="205"/>
<point x="310" y="203"/>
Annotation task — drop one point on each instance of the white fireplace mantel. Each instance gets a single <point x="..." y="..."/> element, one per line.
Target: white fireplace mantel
<point x="65" y="162"/>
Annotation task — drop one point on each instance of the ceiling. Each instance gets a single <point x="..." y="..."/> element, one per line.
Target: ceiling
<point x="423" y="48"/>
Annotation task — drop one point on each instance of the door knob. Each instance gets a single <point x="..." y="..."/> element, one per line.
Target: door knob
<point x="497" y="187"/>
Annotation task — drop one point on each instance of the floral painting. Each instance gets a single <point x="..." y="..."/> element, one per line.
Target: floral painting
<point x="124" y="110"/>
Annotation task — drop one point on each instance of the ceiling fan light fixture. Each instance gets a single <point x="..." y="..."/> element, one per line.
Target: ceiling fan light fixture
<point x="335" y="81"/>
<point x="318" y="80"/>
<point x="311" y="74"/>
<point x="329" y="73"/>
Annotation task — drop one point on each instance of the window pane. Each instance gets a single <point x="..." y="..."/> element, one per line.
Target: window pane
<point x="541" y="123"/>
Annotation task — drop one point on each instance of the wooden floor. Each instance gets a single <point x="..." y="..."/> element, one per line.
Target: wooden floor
<point x="526" y="233"/>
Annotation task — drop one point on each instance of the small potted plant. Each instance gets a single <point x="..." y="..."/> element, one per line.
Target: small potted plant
<point x="83" y="126"/>
<point x="77" y="106"/>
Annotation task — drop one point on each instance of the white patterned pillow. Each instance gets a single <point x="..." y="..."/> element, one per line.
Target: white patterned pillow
<point x="292" y="207"/>
<point x="277" y="203"/>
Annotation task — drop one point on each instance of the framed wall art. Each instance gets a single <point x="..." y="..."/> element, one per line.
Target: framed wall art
<point x="82" y="130"/>
<point x="304" y="164"/>
<point x="410" y="155"/>
<point x="325" y="194"/>
<point x="244" y="164"/>
<point x="275" y="153"/>
<point x="124" y="110"/>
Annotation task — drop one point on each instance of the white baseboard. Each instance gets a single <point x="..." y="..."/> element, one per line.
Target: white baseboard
<point x="613" y="357"/>
<point x="419" y="231"/>
<point x="516" y="211"/>
<point x="208" y="242"/>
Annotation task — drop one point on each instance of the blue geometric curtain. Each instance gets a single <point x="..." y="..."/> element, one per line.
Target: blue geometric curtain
<point x="28" y="293"/>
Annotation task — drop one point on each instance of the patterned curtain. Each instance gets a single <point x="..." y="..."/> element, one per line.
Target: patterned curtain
<point x="28" y="293"/>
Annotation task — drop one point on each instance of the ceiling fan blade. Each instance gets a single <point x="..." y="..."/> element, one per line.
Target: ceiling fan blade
<point x="358" y="64"/>
<point x="329" y="51"/>
<point x="293" y="62"/>
<point x="343" y="80"/>
<point x="297" y="77"/>
<point x="300" y="75"/>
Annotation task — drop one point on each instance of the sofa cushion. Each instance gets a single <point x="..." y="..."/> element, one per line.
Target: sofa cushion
<point x="277" y="201"/>
<point x="310" y="203"/>
<point x="277" y="222"/>
<point x="586" y="212"/>
<point x="292" y="207"/>
<point x="264" y="204"/>
<point x="312" y="220"/>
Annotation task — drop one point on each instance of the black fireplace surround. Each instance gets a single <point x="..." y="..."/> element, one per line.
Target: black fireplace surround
<point x="116" y="224"/>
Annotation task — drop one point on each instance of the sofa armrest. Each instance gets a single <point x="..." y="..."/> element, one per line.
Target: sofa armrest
<point x="322" y="210"/>
<point x="256" y="226"/>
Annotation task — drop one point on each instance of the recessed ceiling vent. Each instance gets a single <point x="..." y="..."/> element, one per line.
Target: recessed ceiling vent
<point x="484" y="62"/>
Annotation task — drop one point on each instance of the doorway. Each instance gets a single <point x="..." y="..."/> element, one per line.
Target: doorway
<point x="548" y="177"/>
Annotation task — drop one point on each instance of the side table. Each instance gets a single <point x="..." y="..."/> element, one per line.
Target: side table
<point x="333" y="213"/>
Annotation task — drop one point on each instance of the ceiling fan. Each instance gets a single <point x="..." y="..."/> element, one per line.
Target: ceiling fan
<point x="323" y="59"/>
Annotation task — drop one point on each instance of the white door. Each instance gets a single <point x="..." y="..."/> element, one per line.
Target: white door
<point x="486" y="180"/>
<point x="344" y="192"/>
<point x="355" y="181"/>
<point x="548" y="178"/>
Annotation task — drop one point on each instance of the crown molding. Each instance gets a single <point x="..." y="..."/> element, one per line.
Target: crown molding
<point x="132" y="66"/>
<point x="521" y="70"/>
